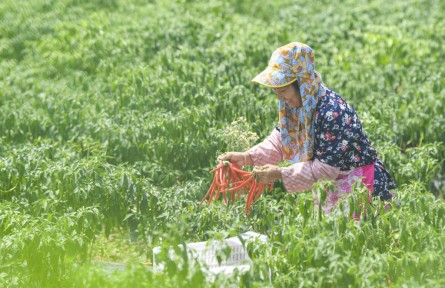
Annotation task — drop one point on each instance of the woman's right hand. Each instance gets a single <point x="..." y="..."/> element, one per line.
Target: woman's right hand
<point x="239" y="158"/>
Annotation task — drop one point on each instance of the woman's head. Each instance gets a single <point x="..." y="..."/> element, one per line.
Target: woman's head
<point x="289" y="94"/>
<point x="292" y="76"/>
<point x="289" y="63"/>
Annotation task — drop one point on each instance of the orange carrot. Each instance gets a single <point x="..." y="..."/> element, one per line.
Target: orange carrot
<point x="250" y="196"/>
<point x="230" y="178"/>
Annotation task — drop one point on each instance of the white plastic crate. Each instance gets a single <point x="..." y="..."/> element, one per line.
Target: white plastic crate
<point x="206" y="254"/>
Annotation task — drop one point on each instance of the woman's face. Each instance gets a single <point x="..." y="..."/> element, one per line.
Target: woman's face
<point x="289" y="94"/>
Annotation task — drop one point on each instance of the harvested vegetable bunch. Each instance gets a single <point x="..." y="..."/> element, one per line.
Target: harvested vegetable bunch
<point x="230" y="178"/>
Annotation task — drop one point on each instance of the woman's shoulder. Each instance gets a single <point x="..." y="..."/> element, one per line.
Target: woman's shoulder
<point x="332" y="103"/>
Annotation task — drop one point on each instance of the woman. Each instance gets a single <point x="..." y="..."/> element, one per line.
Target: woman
<point x="318" y="132"/>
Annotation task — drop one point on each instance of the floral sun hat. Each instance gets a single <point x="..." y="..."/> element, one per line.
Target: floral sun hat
<point x="295" y="62"/>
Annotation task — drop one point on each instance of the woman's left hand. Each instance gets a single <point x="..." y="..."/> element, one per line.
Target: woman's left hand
<point x="267" y="173"/>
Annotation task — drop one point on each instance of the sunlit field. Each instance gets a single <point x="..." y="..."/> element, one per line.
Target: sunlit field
<point x="113" y="113"/>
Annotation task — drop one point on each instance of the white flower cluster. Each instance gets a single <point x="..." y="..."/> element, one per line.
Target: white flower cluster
<point x="238" y="135"/>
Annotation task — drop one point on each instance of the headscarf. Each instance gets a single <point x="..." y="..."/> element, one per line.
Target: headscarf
<point x="295" y="62"/>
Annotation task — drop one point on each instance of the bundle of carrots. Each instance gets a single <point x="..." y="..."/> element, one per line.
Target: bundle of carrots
<point x="230" y="178"/>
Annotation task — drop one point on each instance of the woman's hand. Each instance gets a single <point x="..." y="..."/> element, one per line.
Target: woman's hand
<point x="239" y="158"/>
<point x="267" y="173"/>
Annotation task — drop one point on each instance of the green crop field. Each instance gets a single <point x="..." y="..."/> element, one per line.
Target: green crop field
<point x="113" y="113"/>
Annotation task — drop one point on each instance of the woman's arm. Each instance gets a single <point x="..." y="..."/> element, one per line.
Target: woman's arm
<point x="268" y="151"/>
<point x="301" y="176"/>
<point x="297" y="177"/>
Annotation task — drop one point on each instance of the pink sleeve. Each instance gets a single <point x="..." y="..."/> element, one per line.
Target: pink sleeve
<point x="300" y="176"/>
<point x="268" y="151"/>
